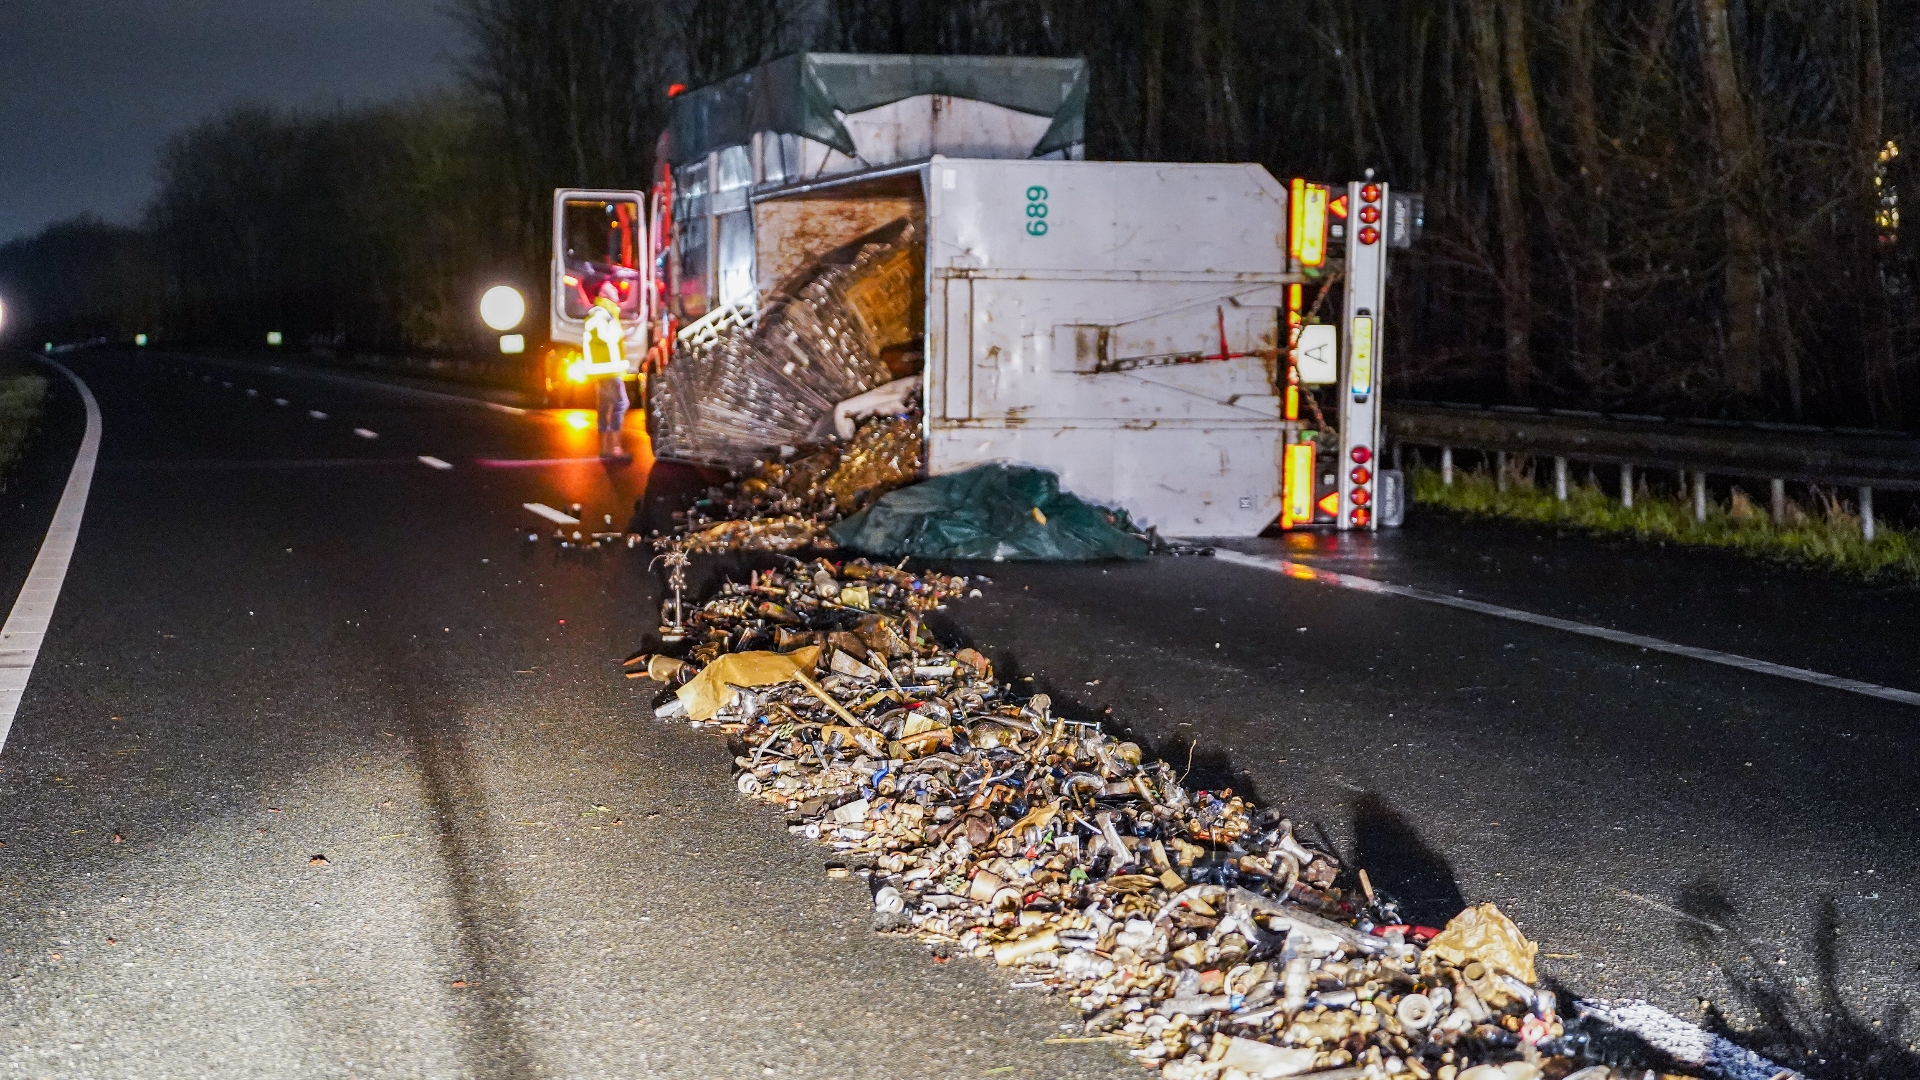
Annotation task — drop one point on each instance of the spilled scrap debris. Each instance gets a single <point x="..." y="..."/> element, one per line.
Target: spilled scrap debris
<point x="789" y="506"/>
<point x="574" y="532"/>
<point x="1191" y="926"/>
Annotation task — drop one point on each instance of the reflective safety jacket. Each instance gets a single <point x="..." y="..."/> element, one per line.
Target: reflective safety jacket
<point x="603" y="342"/>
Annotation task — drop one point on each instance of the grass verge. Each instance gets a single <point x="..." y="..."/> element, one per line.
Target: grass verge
<point x="21" y="396"/>
<point x="1829" y="537"/>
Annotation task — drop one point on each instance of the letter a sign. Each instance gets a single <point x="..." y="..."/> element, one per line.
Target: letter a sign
<point x="1318" y="355"/>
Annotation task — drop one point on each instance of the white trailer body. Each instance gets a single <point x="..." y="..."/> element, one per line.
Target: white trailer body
<point x="1115" y="323"/>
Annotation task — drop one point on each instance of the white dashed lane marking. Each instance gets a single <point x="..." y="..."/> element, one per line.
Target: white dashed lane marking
<point x="391" y="388"/>
<point x="429" y="460"/>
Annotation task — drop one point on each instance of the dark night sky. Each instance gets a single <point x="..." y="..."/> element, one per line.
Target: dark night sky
<point x="90" y="88"/>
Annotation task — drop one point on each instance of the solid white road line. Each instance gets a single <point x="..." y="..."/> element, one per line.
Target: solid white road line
<point x="429" y="459"/>
<point x="316" y="414"/>
<point x="26" y="625"/>
<point x="1685" y="1041"/>
<point x="1618" y="637"/>
<point x="365" y="434"/>
<point x="551" y="514"/>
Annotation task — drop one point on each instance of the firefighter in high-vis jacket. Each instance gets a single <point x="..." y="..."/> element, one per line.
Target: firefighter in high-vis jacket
<point x="603" y="359"/>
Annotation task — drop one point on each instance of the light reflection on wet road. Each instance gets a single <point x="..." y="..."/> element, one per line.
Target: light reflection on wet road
<point x="264" y="655"/>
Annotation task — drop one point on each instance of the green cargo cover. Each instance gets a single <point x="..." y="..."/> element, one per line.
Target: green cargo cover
<point x="806" y="93"/>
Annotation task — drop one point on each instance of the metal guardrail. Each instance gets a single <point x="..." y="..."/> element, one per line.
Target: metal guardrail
<point x="1779" y="453"/>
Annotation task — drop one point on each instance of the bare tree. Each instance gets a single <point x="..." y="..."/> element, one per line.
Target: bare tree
<point x="1515" y="279"/>
<point x="1630" y="203"/>
<point x="719" y="38"/>
<point x="580" y="85"/>
<point x="1738" y="148"/>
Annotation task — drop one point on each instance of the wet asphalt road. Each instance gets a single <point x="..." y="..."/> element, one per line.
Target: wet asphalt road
<point x="282" y="642"/>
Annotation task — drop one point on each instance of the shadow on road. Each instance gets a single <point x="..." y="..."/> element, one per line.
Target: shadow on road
<point x="1401" y="866"/>
<point x="465" y="843"/>
<point x="1810" y="1026"/>
<point x="672" y="487"/>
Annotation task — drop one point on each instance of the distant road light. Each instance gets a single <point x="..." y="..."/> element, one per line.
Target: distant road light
<point x="512" y="344"/>
<point x="139" y="339"/>
<point x="273" y="337"/>
<point x="502" y="307"/>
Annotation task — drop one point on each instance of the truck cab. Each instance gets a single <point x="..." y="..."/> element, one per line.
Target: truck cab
<point x="603" y="241"/>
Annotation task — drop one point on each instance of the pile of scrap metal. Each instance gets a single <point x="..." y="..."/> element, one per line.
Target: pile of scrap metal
<point x="837" y="341"/>
<point x="788" y="506"/>
<point x="1192" y="926"/>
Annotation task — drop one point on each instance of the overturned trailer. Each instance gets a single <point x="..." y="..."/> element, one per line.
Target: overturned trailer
<point x="828" y="225"/>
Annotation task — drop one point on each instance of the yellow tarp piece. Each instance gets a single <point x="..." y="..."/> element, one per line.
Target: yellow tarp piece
<point x="1484" y="934"/>
<point x="709" y="690"/>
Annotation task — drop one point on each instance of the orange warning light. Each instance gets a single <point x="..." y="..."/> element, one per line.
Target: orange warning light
<point x="1296" y="216"/>
<point x="1299" y="485"/>
<point x="1307" y="234"/>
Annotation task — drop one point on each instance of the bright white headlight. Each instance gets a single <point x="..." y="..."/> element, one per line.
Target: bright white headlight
<point x="502" y="307"/>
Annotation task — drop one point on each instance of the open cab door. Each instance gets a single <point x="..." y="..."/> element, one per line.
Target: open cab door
<point x="600" y="241"/>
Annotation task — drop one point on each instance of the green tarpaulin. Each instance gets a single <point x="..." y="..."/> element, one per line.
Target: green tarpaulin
<point x="990" y="512"/>
<point x="805" y="94"/>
